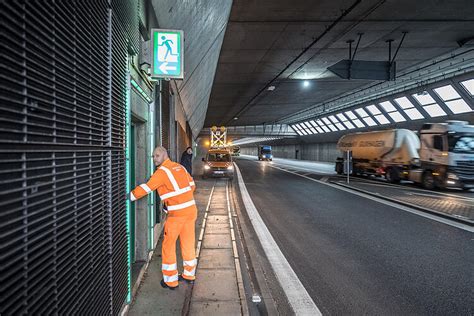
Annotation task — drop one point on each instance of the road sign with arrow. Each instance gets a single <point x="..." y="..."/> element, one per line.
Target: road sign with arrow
<point x="168" y="53"/>
<point x="364" y="69"/>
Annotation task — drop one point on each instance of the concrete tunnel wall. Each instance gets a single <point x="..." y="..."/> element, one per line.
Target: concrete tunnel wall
<point x="204" y="23"/>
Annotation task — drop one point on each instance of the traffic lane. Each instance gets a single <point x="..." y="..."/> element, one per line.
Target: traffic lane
<point x="355" y="256"/>
<point x="325" y="168"/>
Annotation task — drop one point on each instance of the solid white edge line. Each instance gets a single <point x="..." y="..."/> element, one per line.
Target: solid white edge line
<point x="298" y="297"/>
<point x="392" y="204"/>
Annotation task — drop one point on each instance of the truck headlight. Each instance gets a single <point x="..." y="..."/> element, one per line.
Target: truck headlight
<point x="230" y="168"/>
<point x="453" y="176"/>
<point x="207" y="167"/>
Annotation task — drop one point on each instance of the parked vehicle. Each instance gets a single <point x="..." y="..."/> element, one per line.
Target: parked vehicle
<point x="441" y="155"/>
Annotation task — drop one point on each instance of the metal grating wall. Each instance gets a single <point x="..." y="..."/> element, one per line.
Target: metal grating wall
<point x="63" y="244"/>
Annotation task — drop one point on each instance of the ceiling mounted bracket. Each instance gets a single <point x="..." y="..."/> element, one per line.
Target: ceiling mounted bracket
<point x="351" y="55"/>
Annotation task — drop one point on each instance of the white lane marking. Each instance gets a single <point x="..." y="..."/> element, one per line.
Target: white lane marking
<point x="297" y="296"/>
<point x="379" y="200"/>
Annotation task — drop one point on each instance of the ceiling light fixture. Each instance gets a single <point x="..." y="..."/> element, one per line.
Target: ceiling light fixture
<point x="306" y="83"/>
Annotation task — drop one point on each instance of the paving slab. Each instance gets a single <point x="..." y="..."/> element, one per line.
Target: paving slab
<point x="228" y="308"/>
<point x="217" y="229"/>
<point x="217" y="241"/>
<point x="218" y="205"/>
<point x="218" y="211"/>
<point x="218" y="219"/>
<point x="215" y="285"/>
<point x="216" y="259"/>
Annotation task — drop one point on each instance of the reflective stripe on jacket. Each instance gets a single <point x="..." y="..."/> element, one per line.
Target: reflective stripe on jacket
<point x="175" y="187"/>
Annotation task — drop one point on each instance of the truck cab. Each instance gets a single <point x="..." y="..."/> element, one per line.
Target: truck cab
<point x="218" y="163"/>
<point x="265" y="153"/>
<point x="447" y="154"/>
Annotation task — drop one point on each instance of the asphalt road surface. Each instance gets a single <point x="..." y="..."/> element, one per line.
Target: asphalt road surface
<point x="357" y="256"/>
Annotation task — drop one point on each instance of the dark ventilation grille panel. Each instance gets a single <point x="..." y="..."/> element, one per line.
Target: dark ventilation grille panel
<point x="126" y="13"/>
<point x="118" y="216"/>
<point x="62" y="178"/>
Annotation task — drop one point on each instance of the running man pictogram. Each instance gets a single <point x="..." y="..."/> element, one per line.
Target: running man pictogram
<point x="166" y="42"/>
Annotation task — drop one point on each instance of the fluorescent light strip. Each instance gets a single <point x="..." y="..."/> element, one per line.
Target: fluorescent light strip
<point x="390" y="109"/>
<point x="409" y="108"/>
<point x="469" y="86"/>
<point x="452" y="99"/>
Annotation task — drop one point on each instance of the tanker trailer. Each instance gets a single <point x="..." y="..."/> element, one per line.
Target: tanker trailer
<point x="388" y="153"/>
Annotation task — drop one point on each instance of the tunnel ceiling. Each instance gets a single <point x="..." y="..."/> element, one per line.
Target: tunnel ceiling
<point x="263" y="37"/>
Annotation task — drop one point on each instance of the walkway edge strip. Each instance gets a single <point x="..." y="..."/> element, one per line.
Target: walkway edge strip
<point x="238" y="271"/>
<point x="298" y="297"/>
<point x="203" y="227"/>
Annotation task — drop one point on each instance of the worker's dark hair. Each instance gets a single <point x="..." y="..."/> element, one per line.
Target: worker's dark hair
<point x="189" y="148"/>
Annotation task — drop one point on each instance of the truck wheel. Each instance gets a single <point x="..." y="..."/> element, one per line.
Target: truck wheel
<point x="339" y="168"/>
<point x="392" y="175"/>
<point x="428" y="180"/>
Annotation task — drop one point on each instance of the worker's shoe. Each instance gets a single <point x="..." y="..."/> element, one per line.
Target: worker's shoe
<point x="181" y="278"/>
<point x="166" y="286"/>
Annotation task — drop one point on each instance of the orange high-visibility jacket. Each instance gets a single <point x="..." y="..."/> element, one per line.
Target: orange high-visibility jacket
<point x="175" y="187"/>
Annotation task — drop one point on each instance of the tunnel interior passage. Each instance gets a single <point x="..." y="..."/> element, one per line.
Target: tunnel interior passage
<point x="347" y="128"/>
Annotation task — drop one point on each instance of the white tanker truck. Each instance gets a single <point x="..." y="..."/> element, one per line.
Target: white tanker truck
<point x="442" y="156"/>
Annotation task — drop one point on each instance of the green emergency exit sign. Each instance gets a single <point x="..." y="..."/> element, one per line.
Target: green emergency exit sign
<point x="167" y="54"/>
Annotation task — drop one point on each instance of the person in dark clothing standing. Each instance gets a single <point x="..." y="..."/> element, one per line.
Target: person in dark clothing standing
<point x="187" y="160"/>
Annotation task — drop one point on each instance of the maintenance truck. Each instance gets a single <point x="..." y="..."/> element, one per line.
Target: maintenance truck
<point x="440" y="156"/>
<point x="218" y="163"/>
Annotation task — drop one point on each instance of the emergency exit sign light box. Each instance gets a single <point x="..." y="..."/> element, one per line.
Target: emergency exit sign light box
<point x="167" y="54"/>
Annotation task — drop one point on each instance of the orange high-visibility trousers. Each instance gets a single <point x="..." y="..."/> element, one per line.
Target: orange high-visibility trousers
<point x="182" y="227"/>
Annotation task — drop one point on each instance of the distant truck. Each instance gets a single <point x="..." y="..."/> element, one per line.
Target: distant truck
<point x="441" y="156"/>
<point x="265" y="152"/>
<point x="235" y="151"/>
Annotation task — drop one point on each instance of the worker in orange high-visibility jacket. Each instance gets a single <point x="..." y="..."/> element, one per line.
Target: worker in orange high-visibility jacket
<point x="175" y="187"/>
